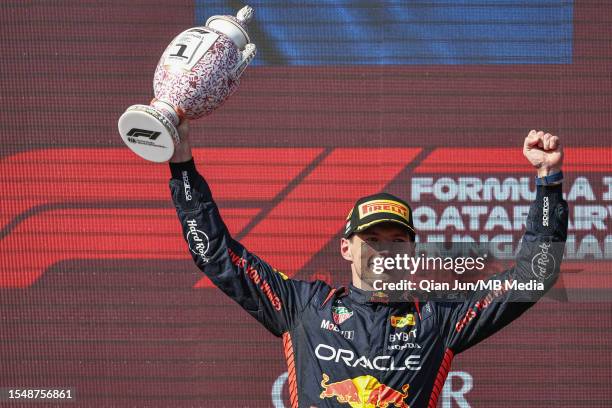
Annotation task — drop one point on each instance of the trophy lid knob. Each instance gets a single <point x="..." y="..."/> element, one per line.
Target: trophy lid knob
<point x="245" y="15"/>
<point x="234" y="27"/>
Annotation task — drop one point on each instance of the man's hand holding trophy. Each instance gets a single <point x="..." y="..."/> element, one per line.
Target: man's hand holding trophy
<point x="197" y="72"/>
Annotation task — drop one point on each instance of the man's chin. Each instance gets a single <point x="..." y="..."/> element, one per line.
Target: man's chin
<point x="370" y="277"/>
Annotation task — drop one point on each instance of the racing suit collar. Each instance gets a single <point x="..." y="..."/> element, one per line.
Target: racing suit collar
<point x="376" y="297"/>
<point x="366" y="296"/>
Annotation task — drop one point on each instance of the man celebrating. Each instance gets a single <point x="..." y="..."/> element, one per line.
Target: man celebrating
<point x="344" y="347"/>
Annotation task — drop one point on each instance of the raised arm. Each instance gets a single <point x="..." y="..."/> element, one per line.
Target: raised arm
<point x="485" y="312"/>
<point x="267" y="294"/>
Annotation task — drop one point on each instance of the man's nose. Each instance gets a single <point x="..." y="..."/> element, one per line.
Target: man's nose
<point x="381" y="249"/>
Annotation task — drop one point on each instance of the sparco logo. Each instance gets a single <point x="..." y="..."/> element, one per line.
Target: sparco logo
<point x="187" y="186"/>
<point x="381" y="363"/>
<point x="543" y="263"/>
<point x="545" y="211"/>
<point x="197" y="240"/>
<point x="149" y="134"/>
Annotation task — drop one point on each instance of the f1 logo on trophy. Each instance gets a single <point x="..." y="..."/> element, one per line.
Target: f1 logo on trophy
<point x="197" y="72"/>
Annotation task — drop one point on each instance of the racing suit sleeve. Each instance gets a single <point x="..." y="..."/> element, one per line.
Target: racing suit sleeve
<point x="466" y="323"/>
<point x="265" y="293"/>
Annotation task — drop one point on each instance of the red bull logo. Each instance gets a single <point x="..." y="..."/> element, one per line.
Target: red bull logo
<point x="364" y="392"/>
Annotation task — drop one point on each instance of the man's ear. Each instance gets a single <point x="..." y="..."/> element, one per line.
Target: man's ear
<point x="345" y="249"/>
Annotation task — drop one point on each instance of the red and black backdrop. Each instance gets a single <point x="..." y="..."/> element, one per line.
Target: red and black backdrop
<point x="98" y="292"/>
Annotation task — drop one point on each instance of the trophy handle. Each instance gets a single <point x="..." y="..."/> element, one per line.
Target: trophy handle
<point x="247" y="56"/>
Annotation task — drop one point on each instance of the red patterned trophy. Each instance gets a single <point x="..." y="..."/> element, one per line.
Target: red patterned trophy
<point x="198" y="71"/>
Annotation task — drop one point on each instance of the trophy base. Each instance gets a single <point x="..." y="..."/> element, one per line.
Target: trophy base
<point x="148" y="133"/>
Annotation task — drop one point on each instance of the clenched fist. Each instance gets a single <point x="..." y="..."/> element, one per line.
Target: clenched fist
<point x="544" y="151"/>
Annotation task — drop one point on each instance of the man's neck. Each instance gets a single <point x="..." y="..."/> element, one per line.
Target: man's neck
<point x="360" y="284"/>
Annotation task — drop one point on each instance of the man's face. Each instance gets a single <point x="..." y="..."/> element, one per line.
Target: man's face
<point x="361" y="248"/>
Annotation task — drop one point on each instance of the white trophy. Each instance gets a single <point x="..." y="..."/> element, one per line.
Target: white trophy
<point x="197" y="72"/>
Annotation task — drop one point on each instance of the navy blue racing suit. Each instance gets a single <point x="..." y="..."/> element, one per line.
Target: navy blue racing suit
<point x="344" y="348"/>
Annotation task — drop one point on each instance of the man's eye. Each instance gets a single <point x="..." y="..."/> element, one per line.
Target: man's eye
<point x="371" y="239"/>
<point x="399" y="240"/>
